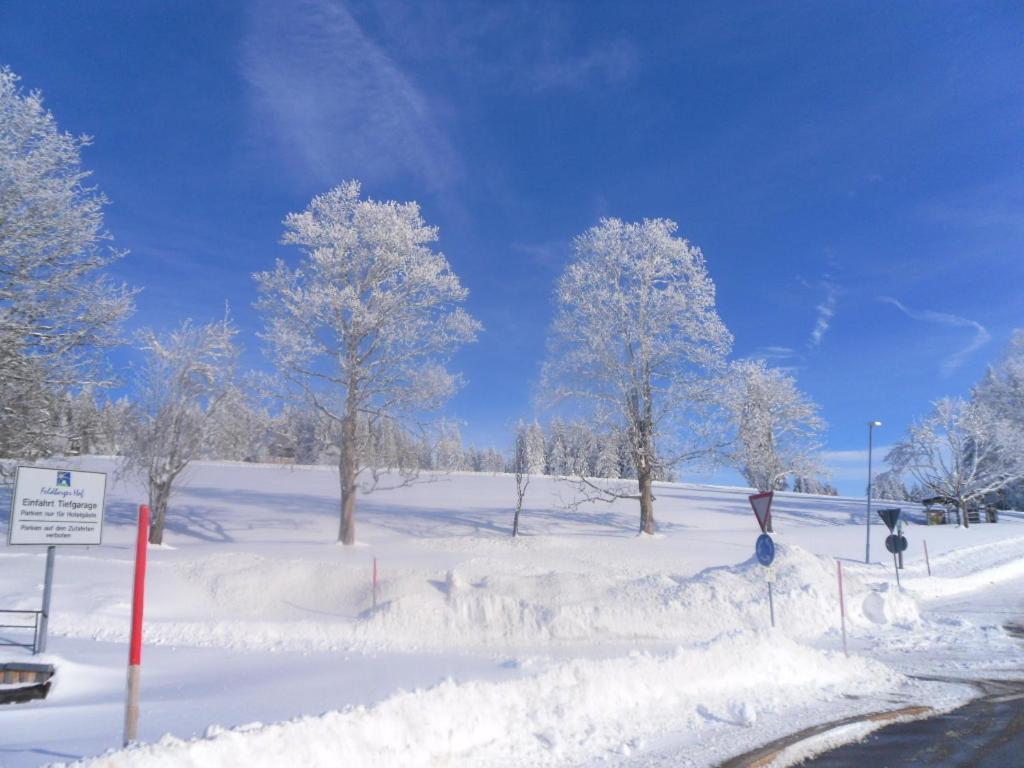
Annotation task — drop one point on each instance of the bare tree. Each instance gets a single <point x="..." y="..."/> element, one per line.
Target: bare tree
<point x="366" y="322"/>
<point x="634" y="340"/>
<point x="775" y="428"/>
<point x="58" y="310"/>
<point x="183" y="382"/>
<point x="958" y="453"/>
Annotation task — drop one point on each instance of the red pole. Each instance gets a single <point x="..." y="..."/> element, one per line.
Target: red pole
<point x="842" y="605"/>
<point x="131" y="712"/>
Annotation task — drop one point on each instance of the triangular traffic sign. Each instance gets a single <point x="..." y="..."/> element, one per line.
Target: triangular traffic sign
<point x="889" y="517"/>
<point x="761" y="503"/>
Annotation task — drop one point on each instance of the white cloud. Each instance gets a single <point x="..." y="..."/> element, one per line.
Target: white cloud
<point x="849" y="469"/>
<point x="335" y="103"/>
<point x="953" y="361"/>
<point x="826" y="311"/>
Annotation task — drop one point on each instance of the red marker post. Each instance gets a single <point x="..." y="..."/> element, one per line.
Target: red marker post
<point x="131" y="710"/>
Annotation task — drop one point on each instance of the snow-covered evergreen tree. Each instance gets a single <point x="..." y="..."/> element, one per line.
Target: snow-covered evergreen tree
<point x="536" y="449"/>
<point x="449" y="454"/>
<point x="238" y="430"/>
<point x="634" y="341"/>
<point x="365" y="324"/>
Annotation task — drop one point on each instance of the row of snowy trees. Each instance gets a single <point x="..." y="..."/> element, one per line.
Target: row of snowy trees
<point x="967" y="451"/>
<point x="360" y="328"/>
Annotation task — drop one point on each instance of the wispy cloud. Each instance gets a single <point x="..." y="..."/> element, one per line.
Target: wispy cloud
<point x="826" y="311"/>
<point x="783" y="358"/>
<point x="610" y="64"/>
<point x="850" y="468"/>
<point x="547" y="54"/>
<point x="337" y="105"/>
<point x="953" y="361"/>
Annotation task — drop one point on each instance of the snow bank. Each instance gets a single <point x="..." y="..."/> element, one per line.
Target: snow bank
<point x="263" y="603"/>
<point x="574" y="711"/>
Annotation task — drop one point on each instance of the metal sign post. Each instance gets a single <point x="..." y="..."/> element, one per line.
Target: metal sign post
<point x="764" y="547"/>
<point x="55" y="507"/>
<point x="44" y="616"/>
<point x="895" y="543"/>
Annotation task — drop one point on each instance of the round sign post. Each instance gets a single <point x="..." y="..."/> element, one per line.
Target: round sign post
<point x="764" y="547"/>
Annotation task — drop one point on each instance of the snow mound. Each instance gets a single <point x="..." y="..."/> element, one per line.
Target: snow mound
<point x="575" y="711"/>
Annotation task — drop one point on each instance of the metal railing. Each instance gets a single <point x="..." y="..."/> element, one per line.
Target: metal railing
<point x="34" y="627"/>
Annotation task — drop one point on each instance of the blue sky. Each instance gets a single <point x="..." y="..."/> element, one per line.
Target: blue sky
<point x="852" y="170"/>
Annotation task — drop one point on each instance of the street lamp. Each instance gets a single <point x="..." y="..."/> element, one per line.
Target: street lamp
<point x="867" y="548"/>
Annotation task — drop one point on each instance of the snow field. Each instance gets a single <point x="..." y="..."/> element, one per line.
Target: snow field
<point x="600" y="643"/>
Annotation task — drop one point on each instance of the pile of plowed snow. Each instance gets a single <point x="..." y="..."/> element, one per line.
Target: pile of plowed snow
<point x="574" y="711"/>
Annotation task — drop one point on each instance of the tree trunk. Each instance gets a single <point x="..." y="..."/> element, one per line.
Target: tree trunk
<point x="644" y="475"/>
<point x="347" y="474"/>
<point x="159" y="496"/>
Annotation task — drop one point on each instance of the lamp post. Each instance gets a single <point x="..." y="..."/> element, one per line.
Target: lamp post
<point x="867" y="547"/>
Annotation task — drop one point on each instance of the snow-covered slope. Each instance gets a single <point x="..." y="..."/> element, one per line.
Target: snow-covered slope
<point x="577" y="642"/>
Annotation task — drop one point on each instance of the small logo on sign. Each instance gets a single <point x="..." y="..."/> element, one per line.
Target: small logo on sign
<point x="63" y="479"/>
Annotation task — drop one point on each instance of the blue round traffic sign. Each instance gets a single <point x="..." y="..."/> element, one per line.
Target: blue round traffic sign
<point x="765" y="549"/>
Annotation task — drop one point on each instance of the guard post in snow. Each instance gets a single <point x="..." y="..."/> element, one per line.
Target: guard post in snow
<point x="764" y="547"/>
<point x="55" y="507"/>
<point x="131" y="708"/>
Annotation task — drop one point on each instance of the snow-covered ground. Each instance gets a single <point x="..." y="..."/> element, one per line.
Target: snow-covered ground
<point x="577" y="644"/>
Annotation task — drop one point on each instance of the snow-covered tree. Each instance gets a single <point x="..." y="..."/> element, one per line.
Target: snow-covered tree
<point x="449" y="454"/>
<point x="238" y="430"/>
<point x="606" y="462"/>
<point x="635" y="338"/>
<point x="557" y="462"/>
<point x="364" y="325"/>
<point x="775" y="428"/>
<point x="959" y="453"/>
<point x="889" y="486"/>
<point x="1001" y="393"/>
<point x="536" y="451"/>
<point x="58" y="308"/>
<point x="182" y="384"/>
<point x="521" y="464"/>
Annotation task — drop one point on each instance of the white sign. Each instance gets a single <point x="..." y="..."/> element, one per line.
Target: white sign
<point x="57" y="506"/>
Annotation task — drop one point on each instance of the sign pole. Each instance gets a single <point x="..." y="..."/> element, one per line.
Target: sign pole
<point x="771" y="603"/>
<point x="44" y="618"/>
<point x="842" y="605"/>
<point x="927" y="562"/>
<point x="896" y="567"/>
<point x="899" y="532"/>
<point x="131" y="709"/>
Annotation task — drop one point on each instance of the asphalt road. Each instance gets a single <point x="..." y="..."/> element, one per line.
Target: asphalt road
<point x="983" y="734"/>
<point x="986" y="733"/>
